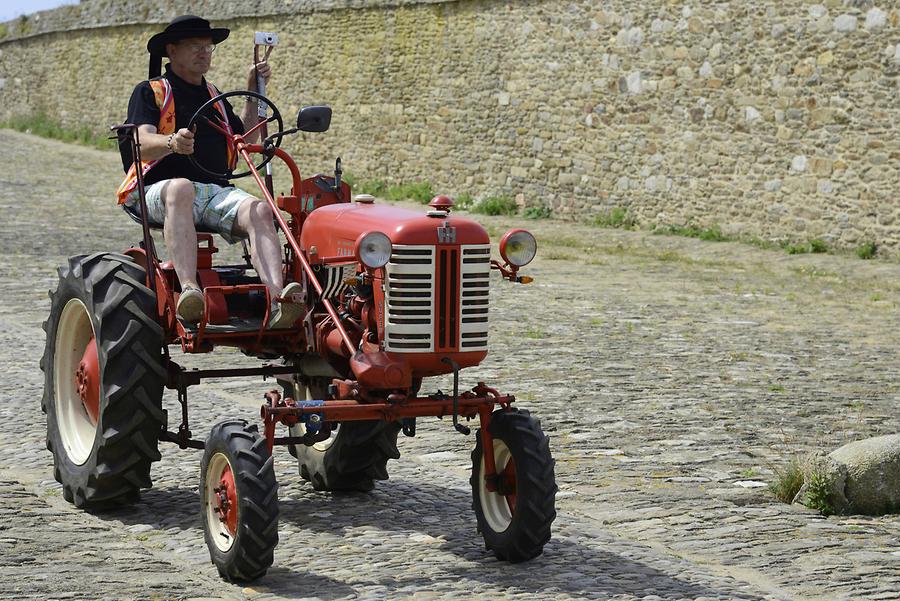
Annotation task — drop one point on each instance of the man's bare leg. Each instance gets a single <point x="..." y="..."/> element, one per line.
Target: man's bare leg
<point x="254" y="221"/>
<point x="179" y="231"/>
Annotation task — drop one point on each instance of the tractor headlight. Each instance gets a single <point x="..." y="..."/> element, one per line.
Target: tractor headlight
<point x="518" y="247"/>
<point x="373" y="249"/>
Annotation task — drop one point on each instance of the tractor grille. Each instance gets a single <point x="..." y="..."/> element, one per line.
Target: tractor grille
<point x="436" y="298"/>
<point x="409" y="323"/>
<point x="476" y="279"/>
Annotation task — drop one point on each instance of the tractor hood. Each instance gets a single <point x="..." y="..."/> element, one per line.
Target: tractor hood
<point x="334" y="229"/>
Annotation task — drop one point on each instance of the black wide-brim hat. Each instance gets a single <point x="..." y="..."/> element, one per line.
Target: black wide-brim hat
<point x="185" y="26"/>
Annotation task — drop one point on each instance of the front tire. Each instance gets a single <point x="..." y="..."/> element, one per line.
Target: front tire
<point x="239" y="501"/>
<point x="515" y="519"/>
<point x="103" y="380"/>
<point x="355" y="455"/>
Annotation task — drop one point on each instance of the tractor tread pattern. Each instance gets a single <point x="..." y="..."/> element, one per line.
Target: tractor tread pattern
<point x="536" y="488"/>
<point x="357" y="457"/>
<point x="254" y="472"/>
<point x="129" y="342"/>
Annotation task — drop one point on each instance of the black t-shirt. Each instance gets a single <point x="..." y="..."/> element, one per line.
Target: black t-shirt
<point x="210" y="148"/>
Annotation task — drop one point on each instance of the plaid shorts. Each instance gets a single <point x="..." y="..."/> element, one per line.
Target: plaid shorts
<point x="215" y="207"/>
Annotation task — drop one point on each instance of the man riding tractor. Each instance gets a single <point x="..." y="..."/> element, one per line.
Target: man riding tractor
<point x="179" y="195"/>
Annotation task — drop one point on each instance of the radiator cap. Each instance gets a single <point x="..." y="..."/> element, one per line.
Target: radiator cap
<point x="441" y="203"/>
<point x="365" y="199"/>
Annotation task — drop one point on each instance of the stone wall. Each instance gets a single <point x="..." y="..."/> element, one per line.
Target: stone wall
<point x="776" y="119"/>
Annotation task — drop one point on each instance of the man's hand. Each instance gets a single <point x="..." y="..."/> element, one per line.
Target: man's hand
<point x="182" y="142"/>
<point x="263" y="68"/>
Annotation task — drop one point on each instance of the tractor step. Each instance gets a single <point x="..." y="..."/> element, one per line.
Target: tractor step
<point x="234" y="325"/>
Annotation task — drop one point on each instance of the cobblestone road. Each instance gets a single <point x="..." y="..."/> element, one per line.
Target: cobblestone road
<point x="673" y="376"/>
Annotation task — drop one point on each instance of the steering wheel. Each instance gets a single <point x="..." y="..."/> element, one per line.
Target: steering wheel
<point x="213" y="118"/>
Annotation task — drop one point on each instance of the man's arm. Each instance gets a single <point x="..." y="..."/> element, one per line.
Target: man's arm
<point x="250" y="112"/>
<point x="143" y="111"/>
<point x="156" y="146"/>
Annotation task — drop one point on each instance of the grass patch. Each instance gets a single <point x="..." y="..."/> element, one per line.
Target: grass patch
<point x="787" y="482"/>
<point x="761" y="243"/>
<point x="537" y="212"/>
<point x="418" y="191"/>
<point x="813" y="246"/>
<point x="534" y="333"/>
<point x="811" y="271"/>
<point x="866" y="250"/>
<point x="712" y="234"/>
<point x="464" y="201"/>
<point x="495" y="205"/>
<point x="818" y="246"/>
<point x="375" y="187"/>
<point x="41" y="124"/>
<point x="616" y="217"/>
<point x="776" y="388"/>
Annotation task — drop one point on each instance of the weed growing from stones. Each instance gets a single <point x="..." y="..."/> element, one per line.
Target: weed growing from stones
<point x="867" y="250"/>
<point x="787" y="482"/>
<point x="817" y="494"/>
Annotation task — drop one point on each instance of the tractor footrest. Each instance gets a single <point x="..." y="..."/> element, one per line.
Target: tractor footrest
<point x="234" y="325"/>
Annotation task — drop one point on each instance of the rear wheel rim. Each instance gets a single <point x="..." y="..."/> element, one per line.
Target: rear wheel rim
<point x="499" y="507"/>
<point x="74" y="334"/>
<point x="221" y="502"/>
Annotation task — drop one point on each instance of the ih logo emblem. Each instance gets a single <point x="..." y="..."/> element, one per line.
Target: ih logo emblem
<point x="446" y="234"/>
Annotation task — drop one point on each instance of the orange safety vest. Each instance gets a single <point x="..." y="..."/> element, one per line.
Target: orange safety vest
<point x="162" y="92"/>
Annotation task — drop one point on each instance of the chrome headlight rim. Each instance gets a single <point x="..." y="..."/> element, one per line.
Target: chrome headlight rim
<point x="514" y="243"/>
<point x="373" y="249"/>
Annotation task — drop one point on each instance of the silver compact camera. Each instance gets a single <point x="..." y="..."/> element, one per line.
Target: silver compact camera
<point x="266" y="38"/>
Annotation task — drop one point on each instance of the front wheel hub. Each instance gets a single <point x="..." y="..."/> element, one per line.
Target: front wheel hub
<point x="222" y="503"/>
<point x="499" y="505"/>
<point x="87" y="381"/>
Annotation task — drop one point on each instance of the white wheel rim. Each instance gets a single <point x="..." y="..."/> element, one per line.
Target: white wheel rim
<point x="73" y="333"/>
<point x="222" y="537"/>
<point x="494" y="505"/>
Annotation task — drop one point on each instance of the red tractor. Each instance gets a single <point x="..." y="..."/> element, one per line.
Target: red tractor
<point x="392" y="296"/>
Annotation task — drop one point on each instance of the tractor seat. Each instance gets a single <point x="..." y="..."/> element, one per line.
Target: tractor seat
<point x="134" y="211"/>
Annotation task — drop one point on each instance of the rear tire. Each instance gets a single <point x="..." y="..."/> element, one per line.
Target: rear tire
<point x="515" y="521"/>
<point x="102" y="450"/>
<point x="240" y="521"/>
<point x="355" y="455"/>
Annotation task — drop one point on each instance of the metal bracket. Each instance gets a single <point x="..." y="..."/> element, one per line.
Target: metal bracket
<point x="465" y="430"/>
